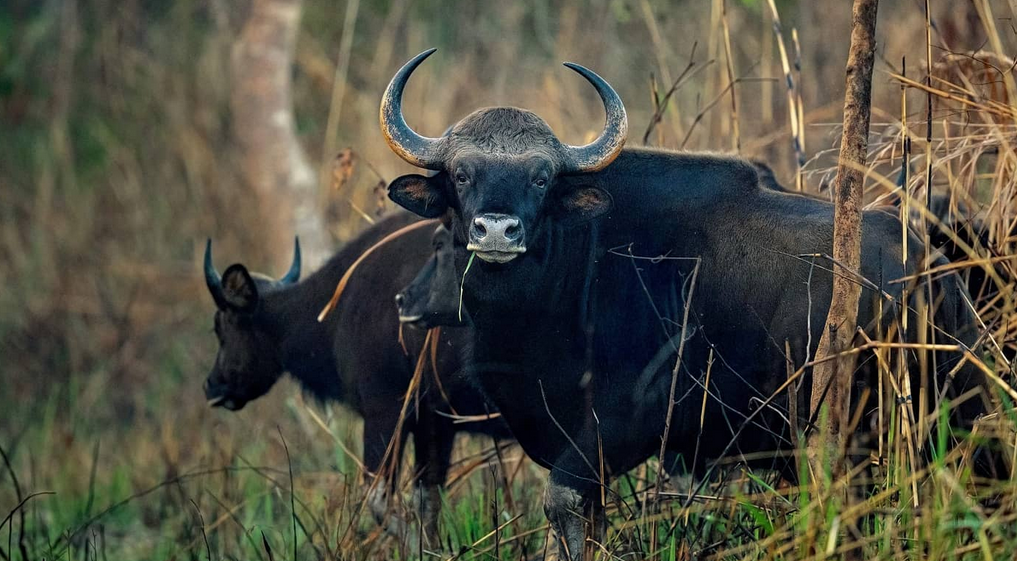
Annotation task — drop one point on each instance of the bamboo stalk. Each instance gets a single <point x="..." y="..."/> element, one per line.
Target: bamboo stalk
<point x="790" y="83"/>
<point x="800" y="111"/>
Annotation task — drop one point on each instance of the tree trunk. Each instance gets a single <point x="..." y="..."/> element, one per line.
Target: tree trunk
<point x="832" y="379"/>
<point x="274" y="164"/>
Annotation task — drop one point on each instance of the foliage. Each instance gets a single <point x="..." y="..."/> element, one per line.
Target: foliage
<point x="116" y="163"/>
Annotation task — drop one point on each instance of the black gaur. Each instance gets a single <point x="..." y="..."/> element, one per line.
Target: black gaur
<point x="354" y="356"/>
<point x="577" y="263"/>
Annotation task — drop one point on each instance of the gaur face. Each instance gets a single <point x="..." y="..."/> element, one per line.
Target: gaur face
<point x="247" y="364"/>
<point x="499" y="171"/>
<point x="432" y="299"/>
<point x="248" y="361"/>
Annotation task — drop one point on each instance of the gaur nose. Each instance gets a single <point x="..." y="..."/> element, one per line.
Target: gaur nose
<point x="399" y="298"/>
<point x="498" y="226"/>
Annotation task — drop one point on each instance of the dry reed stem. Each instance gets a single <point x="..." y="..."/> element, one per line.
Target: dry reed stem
<point x="766" y="61"/>
<point x="989" y="23"/>
<point x="341" y="286"/>
<point x="991" y="108"/>
<point x="335" y="438"/>
<point x="800" y="152"/>
<point x="338" y="92"/>
<point x="736" y="143"/>
<point x="902" y="390"/>
<point x="790" y="83"/>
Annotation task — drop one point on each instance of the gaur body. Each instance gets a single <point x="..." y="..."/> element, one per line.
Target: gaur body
<point x="582" y="268"/>
<point x="353" y="357"/>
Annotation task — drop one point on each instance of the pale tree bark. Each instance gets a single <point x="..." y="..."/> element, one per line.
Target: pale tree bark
<point x="832" y="379"/>
<point x="274" y="164"/>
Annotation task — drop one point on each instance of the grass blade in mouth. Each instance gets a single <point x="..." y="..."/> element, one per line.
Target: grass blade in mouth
<point x="463" y="283"/>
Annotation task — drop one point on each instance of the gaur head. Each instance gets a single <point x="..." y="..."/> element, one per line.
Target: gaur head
<point x="499" y="170"/>
<point x="248" y="362"/>
<point x="432" y="299"/>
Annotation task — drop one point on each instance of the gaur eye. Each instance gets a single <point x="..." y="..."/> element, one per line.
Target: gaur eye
<point x="540" y="183"/>
<point x="439" y="246"/>
<point x="461" y="178"/>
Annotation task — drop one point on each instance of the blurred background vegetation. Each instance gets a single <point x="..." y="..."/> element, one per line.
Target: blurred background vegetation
<point x="119" y="155"/>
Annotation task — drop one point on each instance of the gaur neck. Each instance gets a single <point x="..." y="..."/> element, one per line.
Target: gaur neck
<point x="305" y="345"/>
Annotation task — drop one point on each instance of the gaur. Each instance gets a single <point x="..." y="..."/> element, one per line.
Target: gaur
<point x="577" y="262"/>
<point x="353" y="357"/>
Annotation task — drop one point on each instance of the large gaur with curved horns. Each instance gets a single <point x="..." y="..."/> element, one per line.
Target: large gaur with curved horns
<point x="587" y="260"/>
<point x="355" y="356"/>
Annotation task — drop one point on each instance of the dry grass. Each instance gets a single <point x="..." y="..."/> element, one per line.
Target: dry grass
<point x="115" y="163"/>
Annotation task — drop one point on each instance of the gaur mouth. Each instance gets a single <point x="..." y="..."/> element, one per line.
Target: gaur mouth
<point x="496" y="256"/>
<point x="410" y="319"/>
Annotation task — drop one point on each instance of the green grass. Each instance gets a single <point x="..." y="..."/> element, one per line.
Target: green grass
<point x="134" y="490"/>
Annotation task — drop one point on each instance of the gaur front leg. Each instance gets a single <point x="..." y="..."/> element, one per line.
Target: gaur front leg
<point x="564" y="508"/>
<point x="572" y="506"/>
<point x="433" y="440"/>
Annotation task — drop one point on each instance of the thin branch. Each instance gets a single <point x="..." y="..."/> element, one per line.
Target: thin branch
<point x="661" y="104"/>
<point x="674" y="382"/>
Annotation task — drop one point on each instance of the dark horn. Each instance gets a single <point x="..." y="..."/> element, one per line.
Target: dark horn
<point x="418" y="150"/>
<point x="212" y="279"/>
<point x="293" y="275"/>
<point x="602" y="151"/>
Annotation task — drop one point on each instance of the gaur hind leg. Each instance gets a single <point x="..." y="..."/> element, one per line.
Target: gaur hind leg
<point x="433" y="440"/>
<point x="382" y="466"/>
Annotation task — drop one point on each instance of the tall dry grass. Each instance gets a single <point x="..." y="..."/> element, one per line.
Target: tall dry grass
<point x="116" y="162"/>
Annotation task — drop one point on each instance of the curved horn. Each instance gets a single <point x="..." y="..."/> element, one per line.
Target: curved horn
<point x="418" y="150"/>
<point x="212" y="278"/>
<point x="293" y="275"/>
<point x="602" y="151"/>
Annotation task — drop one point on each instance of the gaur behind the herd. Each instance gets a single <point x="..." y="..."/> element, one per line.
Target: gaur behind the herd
<point x="562" y="282"/>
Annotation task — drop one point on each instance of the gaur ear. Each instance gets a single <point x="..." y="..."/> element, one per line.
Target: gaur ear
<point x="446" y="219"/>
<point x="423" y="196"/>
<point x="239" y="289"/>
<point x="583" y="203"/>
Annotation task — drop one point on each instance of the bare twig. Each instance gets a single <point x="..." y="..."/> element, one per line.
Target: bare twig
<point x="709" y="106"/>
<point x="204" y="536"/>
<point x="660" y="105"/>
<point x="674" y="382"/>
